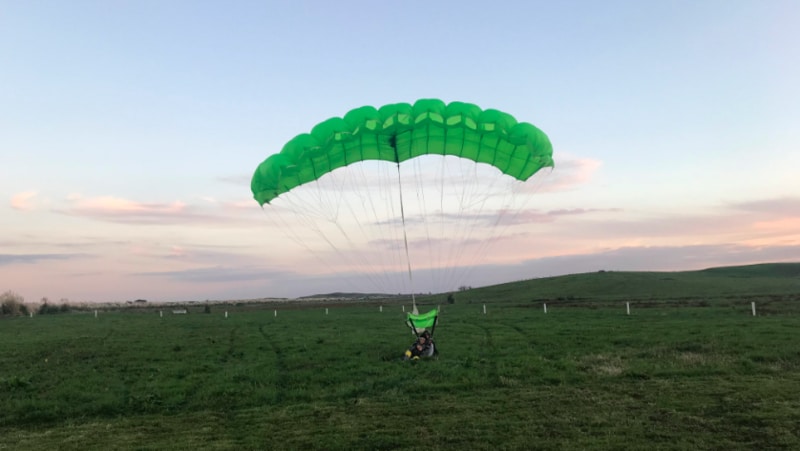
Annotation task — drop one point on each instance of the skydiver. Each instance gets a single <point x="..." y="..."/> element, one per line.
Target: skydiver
<point x="419" y="348"/>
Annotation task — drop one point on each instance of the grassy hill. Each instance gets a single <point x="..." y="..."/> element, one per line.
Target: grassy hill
<point x="771" y="279"/>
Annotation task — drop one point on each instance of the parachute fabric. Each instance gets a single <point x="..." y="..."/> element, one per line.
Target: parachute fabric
<point x="423" y="321"/>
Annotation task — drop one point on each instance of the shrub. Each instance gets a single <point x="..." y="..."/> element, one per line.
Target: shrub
<point x="46" y="309"/>
<point x="11" y="304"/>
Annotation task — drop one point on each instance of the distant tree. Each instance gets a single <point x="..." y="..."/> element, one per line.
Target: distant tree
<point x="12" y="304"/>
<point x="48" y="309"/>
<point x="451" y="299"/>
<point x="207" y="309"/>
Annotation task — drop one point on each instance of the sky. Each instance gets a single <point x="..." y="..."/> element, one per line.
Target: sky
<point x="129" y="131"/>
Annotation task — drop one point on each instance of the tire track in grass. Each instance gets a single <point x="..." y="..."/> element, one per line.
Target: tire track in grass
<point x="526" y="335"/>
<point x="106" y="337"/>
<point x="539" y="360"/>
<point x="281" y="372"/>
<point x="230" y="352"/>
<point x="487" y="352"/>
<point x="510" y="349"/>
<point x="527" y="338"/>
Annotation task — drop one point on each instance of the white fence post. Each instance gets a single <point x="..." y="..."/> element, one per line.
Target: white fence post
<point x="95" y="313"/>
<point x="628" y="307"/>
<point x="753" y="307"/>
<point x="545" y="307"/>
<point x="326" y="311"/>
<point x="226" y="313"/>
<point x="276" y="313"/>
<point x="380" y="308"/>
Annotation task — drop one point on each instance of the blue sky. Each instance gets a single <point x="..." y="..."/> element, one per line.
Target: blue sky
<point x="129" y="131"/>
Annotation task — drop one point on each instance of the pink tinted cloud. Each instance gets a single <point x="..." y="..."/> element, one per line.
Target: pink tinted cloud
<point x="533" y="216"/>
<point x="775" y="231"/>
<point x="126" y="211"/>
<point x="763" y="222"/>
<point x="567" y="174"/>
<point x="782" y="207"/>
<point x="782" y="224"/>
<point x="770" y="221"/>
<point x="23" y="201"/>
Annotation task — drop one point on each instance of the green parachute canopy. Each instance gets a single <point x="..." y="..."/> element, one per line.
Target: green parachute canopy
<point x="399" y="132"/>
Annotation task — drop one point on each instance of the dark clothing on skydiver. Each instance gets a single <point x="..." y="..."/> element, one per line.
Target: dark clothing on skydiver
<point x="419" y="349"/>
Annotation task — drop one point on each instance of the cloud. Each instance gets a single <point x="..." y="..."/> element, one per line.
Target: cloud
<point x="114" y="208"/>
<point x="782" y="206"/>
<point x="487" y="219"/>
<point x="218" y="274"/>
<point x="125" y="211"/>
<point x="24" y="201"/>
<point x="493" y="218"/>
<point x="566" y="175"/>
<point x="581" y="211"/>
<point x="767" y="222"/>
<point x="536" y="216"/>
<point x="13" y="259"/>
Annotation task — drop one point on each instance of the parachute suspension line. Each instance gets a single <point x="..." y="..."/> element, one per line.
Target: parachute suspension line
<point x="318" y="207"/>
<point x="374" y="225"/>
<point x="359" y="209"/>
<point x="393" y="143"/>
<point x="471" y="203"/>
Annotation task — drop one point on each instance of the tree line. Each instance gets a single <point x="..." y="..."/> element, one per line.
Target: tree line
<point x="12" y="304"/>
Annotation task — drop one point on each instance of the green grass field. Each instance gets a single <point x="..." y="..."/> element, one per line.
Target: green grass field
<point x="686" y="374"/>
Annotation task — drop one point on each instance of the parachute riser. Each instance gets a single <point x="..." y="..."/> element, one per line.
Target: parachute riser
<point x="393" y="142"/>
